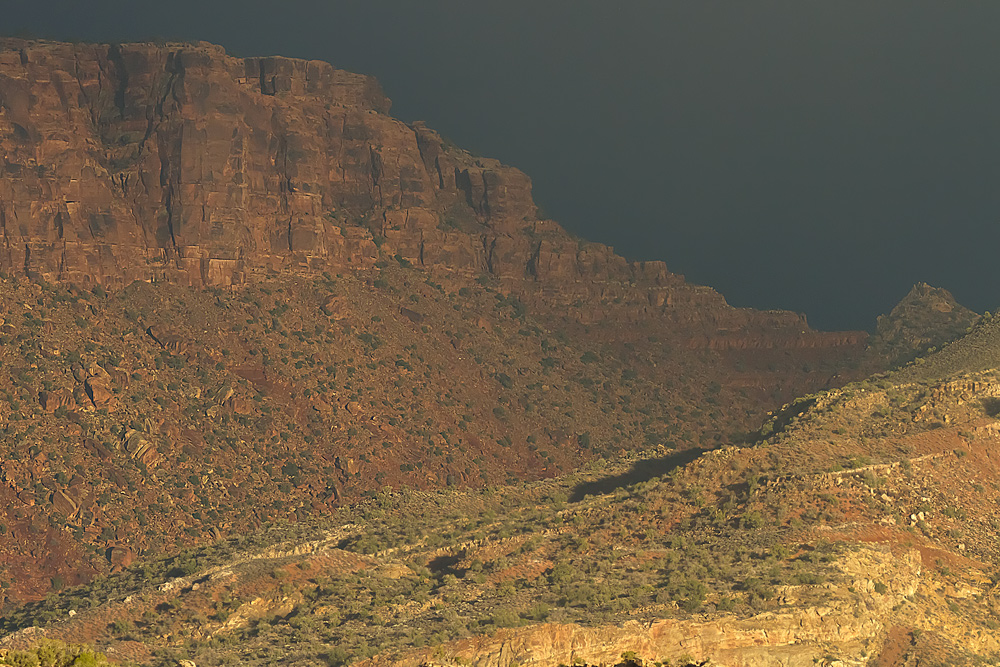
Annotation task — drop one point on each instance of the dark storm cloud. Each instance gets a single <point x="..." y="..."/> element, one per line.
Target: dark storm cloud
<point x="817" y="156"/>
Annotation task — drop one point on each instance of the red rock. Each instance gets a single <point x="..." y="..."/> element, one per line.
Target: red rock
<point x="63" y="503"/>
<point x="53" y="400"/>
<point x="82" y="398"/>
<point x="99" y="391"/>
<point x="182" y="163"/>
<point x="139" y="447"/>
<point x="120" y="558"/>
<point x="79" y="372"/>
<point x="347" y="465"/>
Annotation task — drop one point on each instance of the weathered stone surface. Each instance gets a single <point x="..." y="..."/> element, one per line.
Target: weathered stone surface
<point x="99" y="391"/>
<point x="63" y="503"/>
<point x="79" y="372"/>
<point x="139" y="447"/>
<point x="53" y="400"/>
<point x="97" y="371"/>
<point x="347" y="465"/>
<point x="168" y="339"/>
<point x="411" y="315"/>
<point x="82" y="398"/>
<point x="178" y="162"/>
<point x="147" y="162"/>
<point x="239" y="405"/>
<point x="120" y="557"/>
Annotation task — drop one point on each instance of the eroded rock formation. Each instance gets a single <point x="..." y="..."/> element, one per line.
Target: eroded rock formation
<point x="926" y="317"/>
<point x="178" y="162"/>
<point x="802" y="636"/>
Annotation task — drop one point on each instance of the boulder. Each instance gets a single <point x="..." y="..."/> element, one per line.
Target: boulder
<point x="348" y="465"/>
<point x="168" y="338"/>
<point x="63" y="503"/>
<point x="120" y="557"/>
<point x="239" y="405"/>
<point x="78" y="371"/>
<point x="99" y="391"/>
<point x="138" y="446"/>
<point x="82" y="397"/>
<point x="411" y="315"/>
<point x="53" y="400"/>
<point x="97" y="448"/>
<point x="97" y="371"/>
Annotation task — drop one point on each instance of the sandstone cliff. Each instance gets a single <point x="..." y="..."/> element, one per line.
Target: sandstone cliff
<point x="178" y="162"/>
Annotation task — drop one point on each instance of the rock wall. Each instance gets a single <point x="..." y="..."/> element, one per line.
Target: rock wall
<point x="178" y="162"/>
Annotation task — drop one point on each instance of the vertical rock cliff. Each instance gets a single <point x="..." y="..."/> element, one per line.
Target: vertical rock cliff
<point x="178" y="162"/>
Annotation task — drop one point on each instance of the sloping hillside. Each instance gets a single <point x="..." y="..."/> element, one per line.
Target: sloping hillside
<point x="237" y="290"/>
<point x="859" y="531"/>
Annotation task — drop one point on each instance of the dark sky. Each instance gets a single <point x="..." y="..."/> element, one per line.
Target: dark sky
<point x="814" y="155"/>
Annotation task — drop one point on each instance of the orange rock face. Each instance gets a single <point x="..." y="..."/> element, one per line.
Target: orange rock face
<point x="178" y="162"/>
<point x="146" y="162"/>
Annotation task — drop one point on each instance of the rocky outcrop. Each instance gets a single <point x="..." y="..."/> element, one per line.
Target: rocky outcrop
<point x="178" y="162"/>
<point x="925" y="318"/>
<point x="144" y="162"/>
<point x="842" y="627"/>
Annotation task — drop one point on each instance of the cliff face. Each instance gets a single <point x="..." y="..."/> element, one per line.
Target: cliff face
<point x="180" y="163"/>
<point x="147" y="162"/>
<point x="143" y="162"/>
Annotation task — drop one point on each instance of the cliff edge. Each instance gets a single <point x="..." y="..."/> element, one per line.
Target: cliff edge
<point x="178" y="162"/>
